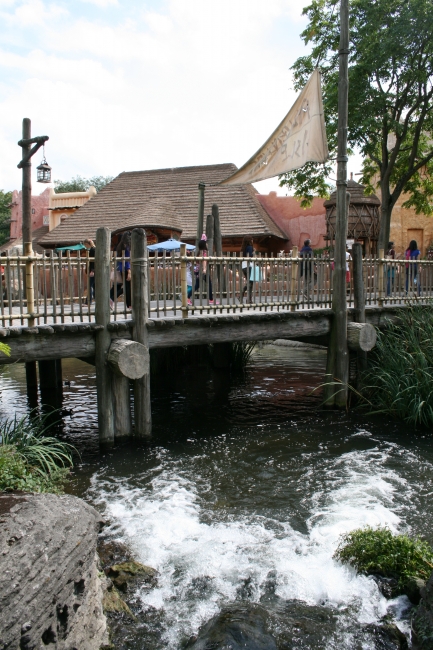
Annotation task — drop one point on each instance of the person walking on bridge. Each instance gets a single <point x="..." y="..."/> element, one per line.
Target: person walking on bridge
<point x="247" y="250"/>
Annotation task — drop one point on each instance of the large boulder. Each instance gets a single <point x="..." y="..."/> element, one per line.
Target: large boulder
<point x="50" y="588"/>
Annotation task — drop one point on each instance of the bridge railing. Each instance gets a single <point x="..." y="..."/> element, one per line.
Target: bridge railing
<point x="64" y="288"/>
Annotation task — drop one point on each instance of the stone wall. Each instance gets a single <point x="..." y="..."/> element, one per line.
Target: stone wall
<point x="297" y="223"/>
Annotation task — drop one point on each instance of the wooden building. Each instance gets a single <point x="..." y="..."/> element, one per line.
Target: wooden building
<point x="165" y="203"/>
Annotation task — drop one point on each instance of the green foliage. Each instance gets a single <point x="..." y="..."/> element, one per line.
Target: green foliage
<point x="399" y="380"/>
<point x="378" y="551"/>
<point x="240" y="354"/>
<point x="5" y="349"/>
<point x="43" y="456"/>
<point x="5" y="215"/>
<point x="390" y="95"/>
<point x="17" y="474"/>
<point x="80" y="184"/>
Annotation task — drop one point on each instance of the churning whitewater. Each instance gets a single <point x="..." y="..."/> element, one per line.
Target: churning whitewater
<point x="211" y="551"/>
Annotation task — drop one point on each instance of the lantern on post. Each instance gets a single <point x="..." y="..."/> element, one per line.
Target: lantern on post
<point x="43" y="171"/>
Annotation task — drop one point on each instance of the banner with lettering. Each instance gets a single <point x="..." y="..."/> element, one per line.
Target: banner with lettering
<point x="300" y="138"/>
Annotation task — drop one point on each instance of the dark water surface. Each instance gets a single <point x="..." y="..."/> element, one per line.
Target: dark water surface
<point x="242" y="494"/>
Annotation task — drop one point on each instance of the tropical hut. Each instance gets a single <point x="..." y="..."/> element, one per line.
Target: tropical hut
<point x="363" y="218"/>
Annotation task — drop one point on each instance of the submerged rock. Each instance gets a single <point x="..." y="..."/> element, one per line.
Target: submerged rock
<point x="387" y="637"/>
<point x="236" y="627"/>
<point x="50" y="587"/>
<point x="422" y="623"/>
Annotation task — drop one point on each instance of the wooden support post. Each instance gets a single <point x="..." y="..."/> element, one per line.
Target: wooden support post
<point x="183" y="281"/>
<point x="140" y="315"/>
<point x="381" y="279"/>
<point x="218" y="245"/>
<point x="51" y="392"/>
<point x="221" y="355"/>
<point x="218" y="241"/>
<point x="32" y="384"/>
<point x="210" y="233"/>
<point x="294" y="278"/>
<point x="200" y="219"/>
<point x="121" y="406"/>
<point x="358" y="283"/>
<point x="103" y="337"/>
<point x="337" y="371"/>
<point x="359" y="300"/>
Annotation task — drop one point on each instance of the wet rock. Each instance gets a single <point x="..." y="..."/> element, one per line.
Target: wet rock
<point x="387" y="586"/>
<point x="111" y="552"/>
<point x="50" y="587"/>
<point x="236" y="627"/>
<point x="422" y="623"/>
<point x="413" y="590"/>
<point x="303" y="626"/>
<point x="124" y="574"/>
<point x="386" y="637"/>
<point x="112" y="602"/>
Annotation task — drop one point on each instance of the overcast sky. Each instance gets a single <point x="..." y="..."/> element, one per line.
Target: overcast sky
<point x="122" y="85"/>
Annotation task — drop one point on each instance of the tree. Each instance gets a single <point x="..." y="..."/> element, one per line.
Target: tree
<point x="390" y="99"/>
<point x="80" y="184"/>
<point x="5" y="215"/>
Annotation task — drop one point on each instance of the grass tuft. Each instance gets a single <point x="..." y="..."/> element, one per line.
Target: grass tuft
<point x="380" y="552"/>
<point x="31" y="460"/>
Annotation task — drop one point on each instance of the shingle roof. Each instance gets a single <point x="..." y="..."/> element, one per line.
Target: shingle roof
<point x="125" y="200"/>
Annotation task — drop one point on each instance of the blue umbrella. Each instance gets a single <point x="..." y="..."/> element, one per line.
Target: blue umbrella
<point x="169" y="245"/>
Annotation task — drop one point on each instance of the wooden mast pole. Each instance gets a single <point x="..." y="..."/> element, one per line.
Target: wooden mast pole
<point x="200" y="219"/>
<point x="338" y="356"/>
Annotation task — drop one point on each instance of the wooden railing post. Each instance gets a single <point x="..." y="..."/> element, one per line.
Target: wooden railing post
<point x="103" y="337"/>
<point x="294" y="278"/>
<point x="381" y="262"/>
<point x="359" y="301"/>
<point x="140" y="315"/>
<point x="183" y="281"/>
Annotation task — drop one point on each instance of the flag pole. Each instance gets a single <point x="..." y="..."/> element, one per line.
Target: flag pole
<point x="337" y="369"/>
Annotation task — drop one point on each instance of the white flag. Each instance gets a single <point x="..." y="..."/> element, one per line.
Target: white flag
<point x="300" y="138"/>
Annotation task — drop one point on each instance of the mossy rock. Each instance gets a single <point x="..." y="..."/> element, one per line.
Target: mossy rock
<point x="112" y="602"/>
<point x="124" y="573"/>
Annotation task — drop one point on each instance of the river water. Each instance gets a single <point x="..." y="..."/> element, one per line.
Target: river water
<point x="243" y="493"/>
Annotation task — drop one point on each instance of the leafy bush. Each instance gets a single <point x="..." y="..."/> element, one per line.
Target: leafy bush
<point x="17" y="474"/>
<point x="30" y="460"/>
<point x="400" y="376"/>
<point x="378" y="551"/>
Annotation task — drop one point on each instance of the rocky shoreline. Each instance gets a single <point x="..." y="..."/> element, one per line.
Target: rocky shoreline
<point x="64" y="587"/>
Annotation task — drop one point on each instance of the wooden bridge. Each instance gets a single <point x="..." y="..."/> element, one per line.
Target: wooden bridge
<point x="46" y="311"/>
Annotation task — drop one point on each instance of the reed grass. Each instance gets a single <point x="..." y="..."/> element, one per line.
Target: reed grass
<point x="399" y="380"/>
<point x="30" y="459"/>
<point x="240" y="354"/>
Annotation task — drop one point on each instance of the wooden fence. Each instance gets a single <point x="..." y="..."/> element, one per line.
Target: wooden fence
<point x="63" y="285"/>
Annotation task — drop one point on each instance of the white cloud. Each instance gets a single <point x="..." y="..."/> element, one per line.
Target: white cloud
<point x="102" y="3"/>
<point x="183" y="83"/>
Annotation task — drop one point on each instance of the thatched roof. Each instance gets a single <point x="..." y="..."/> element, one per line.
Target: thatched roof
<point x="167" y="198"/>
